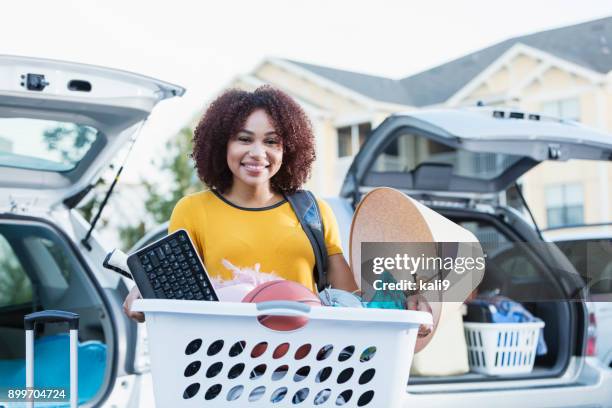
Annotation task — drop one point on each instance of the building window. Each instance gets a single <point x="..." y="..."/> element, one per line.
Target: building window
<point x="364" y="130"/>
<point x="345" y="145"/>
<point x="564" y="205"/>
<point x="564" y="109"/>
<point x="351" y="138"/>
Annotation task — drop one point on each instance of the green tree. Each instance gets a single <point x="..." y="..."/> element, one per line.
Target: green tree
<point x="178" y="167"/>
<point x="130" y="234"/>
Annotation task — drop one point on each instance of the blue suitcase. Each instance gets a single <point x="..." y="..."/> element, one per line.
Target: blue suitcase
<point x="53" y="316"/>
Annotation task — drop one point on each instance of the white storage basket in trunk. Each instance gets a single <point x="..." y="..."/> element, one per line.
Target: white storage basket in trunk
<point x="206" y="354"/>
<point x="502" y="348"/>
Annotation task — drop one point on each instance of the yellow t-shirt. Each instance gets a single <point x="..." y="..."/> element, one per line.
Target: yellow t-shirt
<point x="270" y="236"/>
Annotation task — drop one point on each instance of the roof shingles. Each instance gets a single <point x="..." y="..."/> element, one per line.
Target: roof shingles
<point x="587" y="44"/>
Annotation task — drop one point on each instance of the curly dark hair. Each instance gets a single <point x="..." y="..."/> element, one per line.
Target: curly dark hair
<point x="227" y="114"/>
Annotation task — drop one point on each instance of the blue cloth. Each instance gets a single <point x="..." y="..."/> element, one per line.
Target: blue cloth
<point x="339" y="298"/>
<point x="381" y="299"/>
<point x="387" y="299"/>
<point x="505" y="310"/>
<point x="52" y="367"/>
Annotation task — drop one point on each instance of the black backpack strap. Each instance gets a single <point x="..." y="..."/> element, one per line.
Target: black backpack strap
<point x="307" y="210"/>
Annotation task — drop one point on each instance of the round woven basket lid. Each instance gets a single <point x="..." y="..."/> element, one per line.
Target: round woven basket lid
<point x="387" y="215"/>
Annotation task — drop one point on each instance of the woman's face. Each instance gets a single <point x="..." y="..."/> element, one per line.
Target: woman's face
<point x="255" y="153"/>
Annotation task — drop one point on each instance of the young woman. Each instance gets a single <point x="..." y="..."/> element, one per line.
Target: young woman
<point x="251" y="149"/>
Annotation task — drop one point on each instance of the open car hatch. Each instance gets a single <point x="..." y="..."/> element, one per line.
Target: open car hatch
<point x="61" y="123"/>
<point x="473" y="150"/>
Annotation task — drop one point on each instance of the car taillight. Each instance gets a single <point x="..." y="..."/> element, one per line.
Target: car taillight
<point x="591" y="335"/>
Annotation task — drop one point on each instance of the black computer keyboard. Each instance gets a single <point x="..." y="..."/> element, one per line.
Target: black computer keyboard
<point x="170" y="268"/>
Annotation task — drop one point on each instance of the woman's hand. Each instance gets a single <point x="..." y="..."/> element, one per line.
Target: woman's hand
<point x="127" y="305"/>
<point x="418" y="302"/>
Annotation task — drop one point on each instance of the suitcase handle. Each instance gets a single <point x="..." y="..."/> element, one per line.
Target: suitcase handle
<point x="51" y="316"/>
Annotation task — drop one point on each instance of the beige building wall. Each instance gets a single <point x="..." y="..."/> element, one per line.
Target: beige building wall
<point x="606" y="110"/>
<point x="529" y="83"/>
<point x="320" y="182"/>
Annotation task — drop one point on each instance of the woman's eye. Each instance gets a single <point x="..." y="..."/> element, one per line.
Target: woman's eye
<point x="272" y="141"/>
<point x="244" y="139"/>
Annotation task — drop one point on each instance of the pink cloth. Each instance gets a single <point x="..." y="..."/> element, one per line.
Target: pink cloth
<point x="244" y="280"/>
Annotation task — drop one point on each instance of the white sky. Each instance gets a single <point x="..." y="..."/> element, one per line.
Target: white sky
<point x="202" y="45"/>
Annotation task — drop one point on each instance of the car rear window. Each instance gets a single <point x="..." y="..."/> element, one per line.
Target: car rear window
<point x="406" y="151"/>
<point x="45" y="145"/>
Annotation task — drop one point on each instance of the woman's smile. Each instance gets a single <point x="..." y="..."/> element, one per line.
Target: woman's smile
<point x="255" y="167"/>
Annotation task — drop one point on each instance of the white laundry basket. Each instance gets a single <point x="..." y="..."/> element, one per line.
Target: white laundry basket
<point x="206" y="354"/>
<point x="502" y="348"/>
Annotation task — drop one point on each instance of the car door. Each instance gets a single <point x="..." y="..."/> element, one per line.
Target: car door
<point x="591" y="254"/>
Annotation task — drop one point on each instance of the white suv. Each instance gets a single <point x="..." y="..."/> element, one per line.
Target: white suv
<point x="61" y="124"/>
<point x="464" y="164"/>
